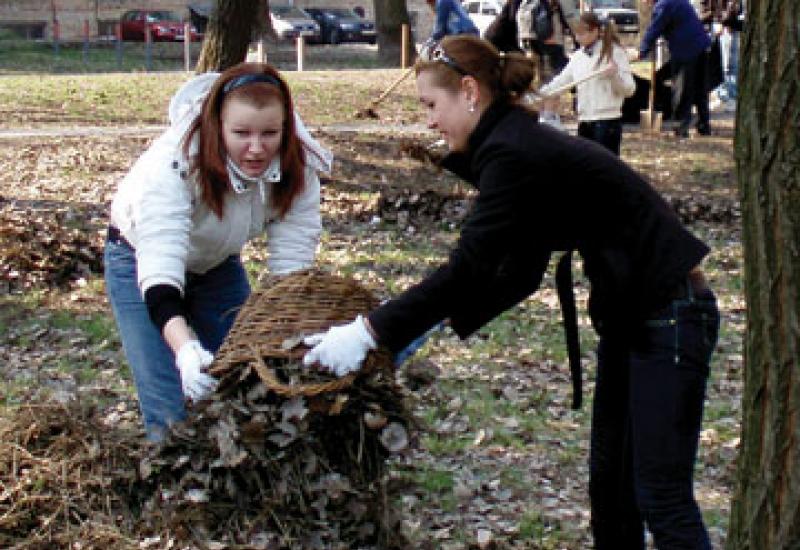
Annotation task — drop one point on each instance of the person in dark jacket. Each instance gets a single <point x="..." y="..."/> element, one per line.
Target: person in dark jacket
<point x="541" y="191"/>
<point x="450" y="19"/>
<point x="507" y="35"/>
<point x="688" y="41"/>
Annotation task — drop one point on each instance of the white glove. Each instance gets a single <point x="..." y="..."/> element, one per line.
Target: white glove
<point x="191" y="360"/>
<point x="342" y="349"/>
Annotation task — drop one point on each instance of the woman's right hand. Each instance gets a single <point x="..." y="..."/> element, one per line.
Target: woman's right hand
<point x="611" y="69"/>
<point x="192" y="360"/>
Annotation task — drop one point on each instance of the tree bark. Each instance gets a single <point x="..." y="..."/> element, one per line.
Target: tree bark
<point x="232" y="25"/>
<point x="390" y="15"/>
<point x="766" y="508"/>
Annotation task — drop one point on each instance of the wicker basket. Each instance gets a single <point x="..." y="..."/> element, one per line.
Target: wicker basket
<point x="272" y="323"/>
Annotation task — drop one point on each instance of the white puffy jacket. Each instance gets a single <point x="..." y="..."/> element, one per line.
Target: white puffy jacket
<point x="600" y="98"/>
<point x="158" y="207"/>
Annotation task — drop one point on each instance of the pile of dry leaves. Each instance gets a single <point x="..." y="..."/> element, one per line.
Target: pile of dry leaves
<point x="280" y="457"/>
<point x="44" y="248"/>
<point x="64" y="477"/>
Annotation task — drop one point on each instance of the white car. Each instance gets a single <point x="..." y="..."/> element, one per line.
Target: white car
<point x="482" y="12"/>
<point x="622" y="12"/>
<point x="289" y="22"/>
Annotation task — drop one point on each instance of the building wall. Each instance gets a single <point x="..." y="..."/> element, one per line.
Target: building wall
<point x="101" y="14"/>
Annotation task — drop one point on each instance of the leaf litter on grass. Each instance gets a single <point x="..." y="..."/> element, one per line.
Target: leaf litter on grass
<point x="505" y="455"/>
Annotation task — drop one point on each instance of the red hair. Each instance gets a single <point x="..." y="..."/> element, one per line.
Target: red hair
<point x="209" y="164"/>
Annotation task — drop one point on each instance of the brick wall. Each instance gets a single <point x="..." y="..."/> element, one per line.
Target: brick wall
<point x="100" y="14"/>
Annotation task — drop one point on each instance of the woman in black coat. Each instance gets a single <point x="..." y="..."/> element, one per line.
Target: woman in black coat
<point x="542" y="191"/>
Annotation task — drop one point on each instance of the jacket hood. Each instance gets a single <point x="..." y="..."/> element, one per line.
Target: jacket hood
<point x="187" y="103"/>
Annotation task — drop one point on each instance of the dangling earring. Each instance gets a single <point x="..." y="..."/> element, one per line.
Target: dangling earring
<point x="471" y="108"/>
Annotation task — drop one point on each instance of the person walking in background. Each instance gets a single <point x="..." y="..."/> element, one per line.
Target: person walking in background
<point x="540" y="191"/>
<point x="539" y="28"/>
<point x="600" y="99"/>
<point x="687" y="41"/>
<point x="450" y="19"/>
<point x="235" y="162"/>
<point x="731" y="21"/>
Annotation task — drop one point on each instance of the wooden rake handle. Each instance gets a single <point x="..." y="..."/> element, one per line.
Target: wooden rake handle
<point x="566" y="87"/>
<point x="391" y="87"/>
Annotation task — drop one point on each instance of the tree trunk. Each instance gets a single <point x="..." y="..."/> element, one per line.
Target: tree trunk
<point x="232" y="25"/>
<point x="390" y="15"/>
<point x="766" y="509"/>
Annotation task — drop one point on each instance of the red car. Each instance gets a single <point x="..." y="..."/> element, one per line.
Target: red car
<point x="165" y="26"/>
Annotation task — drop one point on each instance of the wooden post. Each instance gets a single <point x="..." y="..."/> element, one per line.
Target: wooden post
<point x="187" y="46"/>
<point x="261" y="50"/>
<point x="301" y="51"/>
<point x="404" y="38"/>
<point x="85" y="41"/>
<point x="148" y="47"/>
<point x="118" y="32"/>
<point x="56" y="37"/>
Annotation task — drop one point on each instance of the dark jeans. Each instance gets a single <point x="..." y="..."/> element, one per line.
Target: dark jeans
<point x="689" y="88"/>
<point x="607" y="133"/>
<point x="648" y="410"/>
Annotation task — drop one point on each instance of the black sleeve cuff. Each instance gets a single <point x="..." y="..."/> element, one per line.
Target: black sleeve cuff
<point x="163" y="303"/>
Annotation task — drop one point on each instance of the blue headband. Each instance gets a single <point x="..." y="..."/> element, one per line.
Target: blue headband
<point x="246" y="79"/>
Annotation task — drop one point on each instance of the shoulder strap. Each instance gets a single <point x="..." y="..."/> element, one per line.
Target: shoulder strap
<point x="569" y="315"/>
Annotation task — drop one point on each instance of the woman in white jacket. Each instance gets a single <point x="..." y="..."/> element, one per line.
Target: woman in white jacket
<point x="235" y="162"/>
<point x="599" y="99"/>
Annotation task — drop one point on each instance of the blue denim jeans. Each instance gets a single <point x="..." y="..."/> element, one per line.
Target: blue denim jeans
<point x="648" y="410"/>
<point x="212" y="301"/>
<point x="729" y="47"/>
<point x="407" y="352"/>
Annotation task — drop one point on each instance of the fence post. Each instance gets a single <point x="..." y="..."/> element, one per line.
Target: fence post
<point x="261" y="50"/>
<point x="85" y="41"/>
<point x="56" y="37"/>
<point x="187" y="46"/>
<point x="118" y="33"/>
<point x="148" y="47"/>
<point x="404" y="38"/>
<point x="301" y="51"/>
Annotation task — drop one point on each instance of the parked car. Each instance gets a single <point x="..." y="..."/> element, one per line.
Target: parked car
<point x="342" y="25"/>
<point x="622" y="12"/>
<point x="165" y="26"/>
<point x="290" y="22"/>
<point x="482" y="12"/>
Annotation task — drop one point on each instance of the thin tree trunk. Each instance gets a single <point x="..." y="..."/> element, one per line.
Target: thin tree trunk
<point x="766" y="508"/>
<point x="390" y="15"/>
<point x="232" y="25"/>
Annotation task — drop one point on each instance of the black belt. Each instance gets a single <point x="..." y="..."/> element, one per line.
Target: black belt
<point x="115" y="236"/>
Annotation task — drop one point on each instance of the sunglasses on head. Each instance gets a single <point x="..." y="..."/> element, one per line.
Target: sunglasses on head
<point x="438" y="54"/>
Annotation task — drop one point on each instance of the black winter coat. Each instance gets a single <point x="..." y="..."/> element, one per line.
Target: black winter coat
<point x="502" y="32"/>
<point x="539" y="191"/>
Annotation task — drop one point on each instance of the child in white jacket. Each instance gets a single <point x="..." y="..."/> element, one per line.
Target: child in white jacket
<point x="599" y="99"/>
